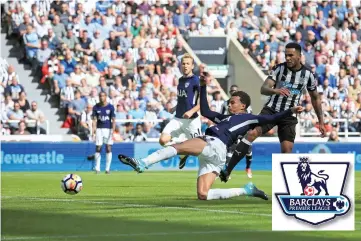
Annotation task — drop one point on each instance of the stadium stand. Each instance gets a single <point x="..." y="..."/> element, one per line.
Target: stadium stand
<point x="132" y="51"/>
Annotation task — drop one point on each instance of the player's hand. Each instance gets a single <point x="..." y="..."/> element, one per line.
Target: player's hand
<point x="187" y="115"/>
<point x="205" y="79"/>
<point x="297" y="109"/>
<point x="202" y="80"/>
<point x="283" y="92"/>
<point x="322" y="130"/>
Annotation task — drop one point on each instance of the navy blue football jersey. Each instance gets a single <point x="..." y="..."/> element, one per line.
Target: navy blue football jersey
<point x="103" y="115"/>
<point x="228" y="128"/>
<point x="188" y="92"/>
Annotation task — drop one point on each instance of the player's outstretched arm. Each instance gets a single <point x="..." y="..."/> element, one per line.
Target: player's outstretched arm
<point x="205" y="111"/>
<point x="269" y="119"/>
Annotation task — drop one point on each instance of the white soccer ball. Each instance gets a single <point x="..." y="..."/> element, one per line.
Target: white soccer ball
<point x="71" y="184"/>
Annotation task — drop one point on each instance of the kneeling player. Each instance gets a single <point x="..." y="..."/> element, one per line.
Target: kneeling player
<point x="211" y="149"/>
<point x="103" y="128"/>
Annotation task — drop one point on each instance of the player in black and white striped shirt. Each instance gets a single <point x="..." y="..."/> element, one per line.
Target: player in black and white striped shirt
<point x="284" y="86"/>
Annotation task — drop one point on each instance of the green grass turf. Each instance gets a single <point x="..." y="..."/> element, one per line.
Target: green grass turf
<point x="150" y="206"/>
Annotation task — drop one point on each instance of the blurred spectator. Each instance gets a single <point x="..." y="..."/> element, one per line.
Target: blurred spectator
<point x="100" y="64"/>
<point x="86" y="122"/>
<point x="217" y="101"/>
<point x="70" y="39"/>
<point x="34" y="114"/>
<point x="69" y="63"/>
<point x="14" y="89"/>
<point x="31" y="41"/>
<point x="60" y="79"/>
<point x="149" y="131"/>
<point x="15" y="115"/>
<point x="181" y="19"/>
<point x="21" y="129"/>
<point x="42" y="54"/>
<point x="23" y="102"/>
<point x="139" y="135"/>
<point x="92" y="78"/>
<point x="76" y="106"/>
<point x="136" y="112"/>
<point x="67" y="94"/>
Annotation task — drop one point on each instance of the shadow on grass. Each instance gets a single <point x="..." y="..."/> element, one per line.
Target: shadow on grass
<point x="122" y="226"/>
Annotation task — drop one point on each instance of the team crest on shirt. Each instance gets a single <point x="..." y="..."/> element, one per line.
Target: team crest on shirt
<point x="107" y="111"/>
<point x="186" y="84"/>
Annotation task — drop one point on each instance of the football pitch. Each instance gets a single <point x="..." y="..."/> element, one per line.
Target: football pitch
<point x="150" y="206"/>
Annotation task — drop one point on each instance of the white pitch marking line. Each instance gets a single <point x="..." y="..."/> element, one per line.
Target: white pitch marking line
<point x="139" y="205"/>
<point x="132" y="234"/>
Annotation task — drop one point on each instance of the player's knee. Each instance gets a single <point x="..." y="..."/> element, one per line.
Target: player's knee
<point x="98" y="148"/>
<point x="202" y="195"/>
<point x="109" y="149"/>
<point x="286" y="149"/>
<point x="163" y="140"/>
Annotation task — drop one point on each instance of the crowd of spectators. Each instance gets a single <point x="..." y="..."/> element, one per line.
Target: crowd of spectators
<point x="329" y="33"/>
<point x="132" y="51"/>
<point x="18" y="116"/>
<point x="128" y="49"/>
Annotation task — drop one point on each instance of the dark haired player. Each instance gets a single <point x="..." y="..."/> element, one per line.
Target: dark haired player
<point x="211" y="148"/>
<point x="231" y="149"/>
<point x="103" y="127"/>
<point x="284" y="86"/>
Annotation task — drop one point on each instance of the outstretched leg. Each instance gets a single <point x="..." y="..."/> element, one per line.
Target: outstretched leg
<point x="192" y="147"/>
<point x="204" y="191"/>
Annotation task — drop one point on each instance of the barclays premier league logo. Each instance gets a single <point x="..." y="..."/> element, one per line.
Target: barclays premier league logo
<point x="314" y="190"/>
<point x="314" y="196"/>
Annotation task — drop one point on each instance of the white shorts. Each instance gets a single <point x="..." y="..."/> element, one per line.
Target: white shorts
<point x="103" y="136"/>
<point x="213" y="156"/>
<point x="189" y="127"/>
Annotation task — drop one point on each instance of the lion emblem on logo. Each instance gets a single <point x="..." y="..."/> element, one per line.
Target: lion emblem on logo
<point x="308" y="178"/>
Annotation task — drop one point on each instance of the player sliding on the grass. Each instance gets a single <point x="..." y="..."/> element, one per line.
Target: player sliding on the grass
<point x="211" y="149"/>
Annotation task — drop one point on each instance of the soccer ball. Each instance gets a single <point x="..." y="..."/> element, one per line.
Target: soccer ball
<point x="309" y="191"/>
<point x="71" y="184"/>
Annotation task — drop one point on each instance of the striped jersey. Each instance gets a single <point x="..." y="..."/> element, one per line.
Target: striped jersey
<point x="294" y="81"/>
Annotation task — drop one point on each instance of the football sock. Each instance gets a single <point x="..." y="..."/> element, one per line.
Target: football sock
<point x="160" y="155"/>
<point x="249" y="157"/>
<point x="225" y="193"/>
<point x="238" y="154"/>
<point x="108" y="161"/>
<point x="97" y="161"/>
